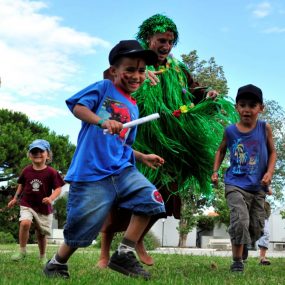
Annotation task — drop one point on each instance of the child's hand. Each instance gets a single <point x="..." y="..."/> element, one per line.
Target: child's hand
<point x="114" y="127"/>
<point x="12" y="203"/>
<point x="47" y="201"/>
<point x="152" y="160"/>
<point x="215" y="178"/>
<point x="266" y="180"/>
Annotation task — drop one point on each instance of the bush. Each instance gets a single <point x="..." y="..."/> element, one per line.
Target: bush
<point x="6" y="238"/>
<point x="150" y="241"/>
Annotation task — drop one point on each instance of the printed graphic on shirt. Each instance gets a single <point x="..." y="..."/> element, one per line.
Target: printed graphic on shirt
<point x="245" y="157"/>
<point x="36" y="184"/>
<point x="157" y="197"/>
<point x="115" y="110"/>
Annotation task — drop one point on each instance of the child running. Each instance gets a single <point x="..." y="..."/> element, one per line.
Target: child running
<point x="103" y="172"/>
<point x="38" y="186"/>
<point x="252" y="161"/>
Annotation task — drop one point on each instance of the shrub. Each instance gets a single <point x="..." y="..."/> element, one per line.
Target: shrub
<point x="150" y="241"/>
<point x="6" y="238"/>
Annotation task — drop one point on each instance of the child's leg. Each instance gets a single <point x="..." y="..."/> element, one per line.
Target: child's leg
<point x="24" y="232"/>
<point x="42" y="243"/>
<point x="106" y="240"/>
<point x="140" y="248"/>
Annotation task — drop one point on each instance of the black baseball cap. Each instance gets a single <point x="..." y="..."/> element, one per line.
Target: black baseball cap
<point x="132" y="48"/>
<point x="250" y="92"/>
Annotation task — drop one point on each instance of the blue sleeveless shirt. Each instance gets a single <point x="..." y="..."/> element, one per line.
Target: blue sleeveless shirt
<point x="248" y="157"/>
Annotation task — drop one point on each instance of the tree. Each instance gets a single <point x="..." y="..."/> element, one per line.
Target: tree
<point x="17" y="132"/>
<point x="274" y="114"/>
<point x="207" y="73"/>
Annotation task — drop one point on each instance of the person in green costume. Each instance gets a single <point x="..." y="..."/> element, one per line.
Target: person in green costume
<point x="186" y="135"/>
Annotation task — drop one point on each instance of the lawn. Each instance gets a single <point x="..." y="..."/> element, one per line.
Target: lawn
<point x="168" y="269"/>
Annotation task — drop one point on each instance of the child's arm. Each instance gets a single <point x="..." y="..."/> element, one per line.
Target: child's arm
<point x="272" y="156"/>
<point x="219" y="157"/>
<point x="52" y="197"/>
<point x="84" y="114"/>
<point x="151" y="160"/>
<point x="14" y="201"/>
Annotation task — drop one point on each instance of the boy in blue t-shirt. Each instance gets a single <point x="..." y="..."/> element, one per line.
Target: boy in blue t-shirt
<point x="252" y="161"/>
<point x="102" y="172"/>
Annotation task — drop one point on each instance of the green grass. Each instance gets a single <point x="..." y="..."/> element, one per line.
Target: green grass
<point x="168" y="269"/>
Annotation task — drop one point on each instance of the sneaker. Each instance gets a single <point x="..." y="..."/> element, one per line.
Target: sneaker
<point x="264" y="261"/>
<point x="56" y="270"/>
<point x="127" y="263"/>
<point x="237" y="266"/>
<point x="18" y="256"/>
<point x="245" y="253"/>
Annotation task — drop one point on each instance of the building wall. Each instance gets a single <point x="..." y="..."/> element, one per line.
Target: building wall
<point x="166" y="231"/>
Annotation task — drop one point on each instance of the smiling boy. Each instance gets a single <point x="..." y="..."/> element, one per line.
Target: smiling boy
<point x="102" y="172"/>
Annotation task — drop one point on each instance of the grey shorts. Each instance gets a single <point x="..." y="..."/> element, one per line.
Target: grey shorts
<point x="246" y="214"/>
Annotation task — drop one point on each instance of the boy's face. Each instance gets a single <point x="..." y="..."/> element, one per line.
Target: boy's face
<point x="161" y="44"/>
<point x="248" y="110"/>
<point x="129" y="74"/>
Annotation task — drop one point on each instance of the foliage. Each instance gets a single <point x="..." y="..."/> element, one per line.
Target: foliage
<point x="60" y="210"/>
<point x="150" y="241"/>
<point x="206" y="223"/>
<point x="274" y="114"/>
<point x="17" y="132"/>
<point x="207" y="73"/>
<point x="6" y="238"/>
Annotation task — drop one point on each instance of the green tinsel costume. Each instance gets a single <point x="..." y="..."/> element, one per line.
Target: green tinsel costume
<point x="186" y="135"/>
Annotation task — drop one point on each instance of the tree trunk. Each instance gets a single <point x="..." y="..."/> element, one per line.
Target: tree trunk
<point x="183" y="223"/>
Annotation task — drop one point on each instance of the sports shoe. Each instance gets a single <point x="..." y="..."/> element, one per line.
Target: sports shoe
<point x="18" y="256"/>
<point x="56" y="270"/>
<point x="264" y="261"/>
<point x="127" y="263"/>
<point x="237" y="266"/>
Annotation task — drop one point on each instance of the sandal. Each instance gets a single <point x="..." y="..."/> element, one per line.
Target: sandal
<point x="264" y="262"/>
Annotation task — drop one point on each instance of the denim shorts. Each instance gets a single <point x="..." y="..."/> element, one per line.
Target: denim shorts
<point x="90" y="202"/>
<point x="247" y="214"/>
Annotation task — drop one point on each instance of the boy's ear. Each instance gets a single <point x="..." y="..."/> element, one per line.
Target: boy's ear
<point x="262" y="108"/>
<point x="113" y="70"/>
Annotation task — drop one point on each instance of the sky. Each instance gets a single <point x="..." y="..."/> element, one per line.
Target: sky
<point x="51" y="49"/>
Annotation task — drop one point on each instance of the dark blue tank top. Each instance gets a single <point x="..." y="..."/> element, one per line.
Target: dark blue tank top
<point x="248" y="157"/>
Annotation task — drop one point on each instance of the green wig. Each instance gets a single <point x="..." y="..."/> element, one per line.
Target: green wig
<point x="156" y="24"/>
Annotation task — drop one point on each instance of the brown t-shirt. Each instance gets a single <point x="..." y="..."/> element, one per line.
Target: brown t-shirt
<point x="38" y="184"/>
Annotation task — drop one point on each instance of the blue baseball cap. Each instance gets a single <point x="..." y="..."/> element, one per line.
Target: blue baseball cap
<point x="41" y="144"/>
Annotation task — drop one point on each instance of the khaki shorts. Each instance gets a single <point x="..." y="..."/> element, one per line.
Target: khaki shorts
<point x="42" y="222"/>
<point x="247" y="214"/>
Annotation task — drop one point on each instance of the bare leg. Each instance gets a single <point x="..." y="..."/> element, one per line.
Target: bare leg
<point x="42" y="243"/>
<point x="106" y="240"/>
<point x="140" y="248"/>
<point x="64" y="253"/>
<point x="24" y="232"/>
<point x="237" y="250"/>
<point x="137" y="227"/>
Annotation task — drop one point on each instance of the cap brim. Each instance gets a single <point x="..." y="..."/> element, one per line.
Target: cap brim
<point x="37" y="146"/>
